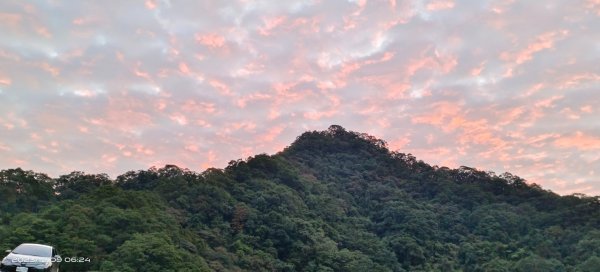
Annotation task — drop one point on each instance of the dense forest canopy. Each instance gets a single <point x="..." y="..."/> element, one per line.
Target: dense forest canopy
<point x="333" y="200"/>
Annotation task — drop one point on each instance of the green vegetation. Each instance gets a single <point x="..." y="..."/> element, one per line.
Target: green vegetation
<point x="332" y="201"/>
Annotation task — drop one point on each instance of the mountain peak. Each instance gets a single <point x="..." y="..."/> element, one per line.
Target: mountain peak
<point x="337" y="139"/>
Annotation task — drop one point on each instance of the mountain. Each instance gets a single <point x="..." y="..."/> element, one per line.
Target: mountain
<point x="333" y="200"/>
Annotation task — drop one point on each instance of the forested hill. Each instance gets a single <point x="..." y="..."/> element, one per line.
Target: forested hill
<point x="333" y="200"/>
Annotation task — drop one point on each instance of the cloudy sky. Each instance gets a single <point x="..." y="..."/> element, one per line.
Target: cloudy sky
<point x="111" y="86"/>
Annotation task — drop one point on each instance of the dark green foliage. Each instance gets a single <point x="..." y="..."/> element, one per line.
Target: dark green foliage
<point x="333" y="201"/>
<point x="536" y="263"/>
<point x="24" y="190"/>
<point x="590" y="265"/>
<point x="152" y="252"/>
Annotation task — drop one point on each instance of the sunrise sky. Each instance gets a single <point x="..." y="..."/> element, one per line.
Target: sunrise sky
<point x="111" y="86"/>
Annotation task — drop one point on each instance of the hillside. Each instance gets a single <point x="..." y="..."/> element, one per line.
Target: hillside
<point x="333" y="200"/>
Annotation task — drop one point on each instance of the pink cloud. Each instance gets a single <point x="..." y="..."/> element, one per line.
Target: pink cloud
<point x="500" y="7"/>
<point x="4" y="80"/>
<point x="203" y="123"/>
<point x="4" y="147"/>
<point x="183" y="68"/>
<point x="120" y="56"/>
<point x="125" y="114"/>
<point x="82" y="21"/>
<point x="199" y="108"/>
<point x="571" y="81"/>
<point x="160" y="105"/>
<point x="548" y="102"/>
<point x="109" y="158"/>
<point x="271" y="134"/>
<point x="78" y="21"/>
<point x="54" y="71"/>
<point x="11" y="121"/>
<point x="192" y="148"/>
<point x="43" y="31"/>
<point x="586" y="109"/>
<point x="211" y="40"/>
<point x="142" y="150"/>
<point x="286" y="93"/>
<point x="246" y="126"/>
<point x="400" y="143"/>
<point x="221" y="87"/>
<point x="417" y="64"/>
<point x="317" y="115"/>
<point x="138" y="72"/>
<point x="538" y="110"/>
<point x="49" y="146"/>
<point x="243" y="101"/>
<point x="85" y="93"/>
<point x="578" y="140"/>
<point x="392" y="4"/>
<point x="350" y="23"/>
<point x="508" y="117"/>
<point x="361" y="3"/>
<point x="230" y="128"/>
<point x="211" y="158"/>
<point x="250" y="69"/>
<point x="9" y="56"/>
<point x="446" y="62"/>
<point x="180" y="119"/>
<point x="440" y="5"/>
<point x="541" y="42"/>
<point x="440" y="112"/>
<point x="449" y="117"/>
<point x="306" y="26"/>
<point x="397" y="90"/>
<point x="270" y="24"/>
<point x="593" y="5"/>
<point x="569" y="113"/>
<point x="533" y="89"/>
<point x="398" y="85"/>
<point x="332" y="109"/>
<point x="11" y="19"/>
<point x="479" y="132"/>
<point x="539" y="141"/>
<point x="150" y="4"/>
<point x="477" y="70"/>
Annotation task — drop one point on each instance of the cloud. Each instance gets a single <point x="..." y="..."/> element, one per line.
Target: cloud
<point x="541" y="42"/>
<point x="579" y="140"/>
<point x="121" y="85"/>
<point x="211" y="40"/>
<point x="440" y="5"/>
<point x="5" y="81"/>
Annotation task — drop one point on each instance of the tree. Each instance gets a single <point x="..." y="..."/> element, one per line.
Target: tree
<point x="152" y="252"/>
<point x="536" y="263"/>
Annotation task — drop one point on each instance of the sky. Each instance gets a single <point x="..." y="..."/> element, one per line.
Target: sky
<point x="111" y="86"/>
